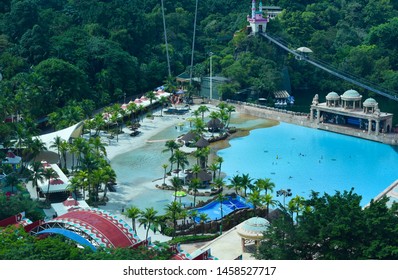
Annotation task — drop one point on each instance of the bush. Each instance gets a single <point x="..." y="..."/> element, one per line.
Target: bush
<point x="192" y="239"/>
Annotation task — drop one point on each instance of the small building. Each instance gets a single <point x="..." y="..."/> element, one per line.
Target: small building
<point x="348" y="110"/>
<point x="282" y="98"/>
<point x="257" y="23"/>
<point x="13" y="160"/>
<point x="251" y="232"/>
<point x="215" y="125"/>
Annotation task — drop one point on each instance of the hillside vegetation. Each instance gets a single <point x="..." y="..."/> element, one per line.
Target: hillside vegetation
<point x="89" y="53"/>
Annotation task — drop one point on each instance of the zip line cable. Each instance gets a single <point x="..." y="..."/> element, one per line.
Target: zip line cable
<point x="165" y="40"/>
<point x="193" y="42"/>
<point x="331" y="70"/>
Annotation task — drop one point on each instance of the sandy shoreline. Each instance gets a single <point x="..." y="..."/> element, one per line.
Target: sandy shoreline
<point x="124" y="196"/>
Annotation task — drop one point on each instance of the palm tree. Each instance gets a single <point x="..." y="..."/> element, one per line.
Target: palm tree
<point x="218" y="183"/>
<point x="48" y="174"/>
<point x="20" y="136"/>
<point x="269" y="201"/>
<point x="236" y="183"/>
<point x="171" y="146"/>
<point x="177" y="186"/>
<point x="221" y="198"/>
<point x="203" y="217"/>
<point x="219" y="160"/>
<point x="181" y="159"/>
<point x="255" y="199"/>
<point x="203" y="109"/>
<point x="246" y="181"/>
<point x="73" y="151"/>
<point x="172" y="210"/>
<point x="194" y="215"/>
<point x="56" y="143"/>
<point x="213" y="168"/>
<point x="162" y="101"/>
<point x="81" y="145"/>
<point x="63" y="148"/>
<point x="151" y="96"/>
<point x="109" y="178"/>
<point x="147" y="218"/>
<point x="196" y="114"/>
<point x="164" y="166"/>
<point x="82" y="182"/>
<point x="33" y="148"/>
<point x="98" y="123"/>
<point x="98" y="146"/>
<point x="131" y="108"/>
<point x="265" y="184"/>
<point x="230" y="109"/>
<point x="133" y="213"/>
<point x="194" y="185"/>
<point x="36" y="175"/>
<point x="74" y="184"/>
<point x="202" y="156"/>
<point x="213" y="116"/>
<point x="296" y="205"/>
<point x="12" y="181"/>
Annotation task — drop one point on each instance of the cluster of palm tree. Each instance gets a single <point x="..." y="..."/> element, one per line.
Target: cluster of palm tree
<point x="260" y="192"/>
<point x="148" y="218"/>
<point x="91" y="171"/>
<point x="151" y="220"/>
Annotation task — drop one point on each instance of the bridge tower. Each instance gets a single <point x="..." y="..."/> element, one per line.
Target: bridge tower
<point x="258" y="24"/>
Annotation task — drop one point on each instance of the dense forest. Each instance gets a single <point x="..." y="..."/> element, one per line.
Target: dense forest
<point x="68" y="53"/>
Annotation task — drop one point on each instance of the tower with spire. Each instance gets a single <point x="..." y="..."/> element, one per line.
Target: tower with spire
<point x="258" y="24"/>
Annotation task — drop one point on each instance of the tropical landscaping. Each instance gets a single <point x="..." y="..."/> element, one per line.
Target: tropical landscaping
<point x="66" y="61"/>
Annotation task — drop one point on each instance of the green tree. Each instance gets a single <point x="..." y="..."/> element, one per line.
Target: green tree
<point x="194" y="185"/>
<point x="49" y="174"/>
<point x="171" y="146"/>
<point x="203" y="217"/>
<point x="149" y="218"/>
<point x="181" y="160"/>
<point x="133" y="213"/>
<point x="173" y="210"/>
<point x="235" y="183"/>
<point x="333" y="227"/>
<point x="36" y="175"/>
<point x="177" y="185"/>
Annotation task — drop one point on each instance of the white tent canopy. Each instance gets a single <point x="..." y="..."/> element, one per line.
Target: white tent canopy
<point x="73" y="131"/>
<point x="59" y="183"/>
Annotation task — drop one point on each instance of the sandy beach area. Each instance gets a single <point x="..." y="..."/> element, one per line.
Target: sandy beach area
<point x="124" y="196"/>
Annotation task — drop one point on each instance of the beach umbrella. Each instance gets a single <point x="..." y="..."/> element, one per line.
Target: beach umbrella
<point x="180" y="194"/>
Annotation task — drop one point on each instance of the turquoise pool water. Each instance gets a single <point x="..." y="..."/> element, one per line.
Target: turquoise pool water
<point x="304" y="159"/>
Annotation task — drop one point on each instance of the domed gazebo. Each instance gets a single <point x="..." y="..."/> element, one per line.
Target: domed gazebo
<point x="332" y="99"/>
<point x="251" y="231"/>
<point x="351" y="99"/>
<point x="370" y="105"/>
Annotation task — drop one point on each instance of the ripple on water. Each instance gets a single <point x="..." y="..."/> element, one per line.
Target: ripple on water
<point x="317" y="160"/>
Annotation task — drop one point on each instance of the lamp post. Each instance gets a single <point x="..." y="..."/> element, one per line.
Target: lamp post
<point x="124" y="93"/>
<point x="211" y="77"/>
<point x="284" y="193"/>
